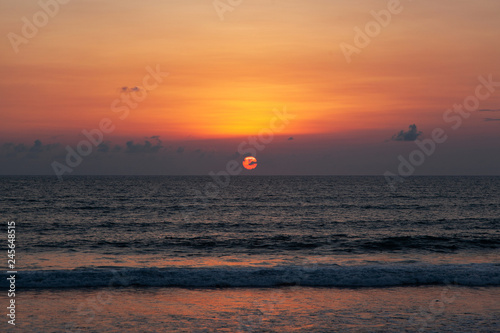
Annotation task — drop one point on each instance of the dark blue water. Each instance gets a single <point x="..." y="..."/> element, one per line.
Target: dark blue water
<point x="248" y="231"/>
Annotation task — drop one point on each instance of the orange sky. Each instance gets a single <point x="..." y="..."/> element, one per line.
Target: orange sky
<point x="226" y="76"/>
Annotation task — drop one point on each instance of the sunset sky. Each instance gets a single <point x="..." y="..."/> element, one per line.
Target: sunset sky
<point x="228" y="78"/>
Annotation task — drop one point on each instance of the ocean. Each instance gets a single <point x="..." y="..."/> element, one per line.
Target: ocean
<point x="253" y="254"/>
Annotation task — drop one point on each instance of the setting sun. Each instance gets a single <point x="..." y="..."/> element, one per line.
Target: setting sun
<point x="250" y="163"/>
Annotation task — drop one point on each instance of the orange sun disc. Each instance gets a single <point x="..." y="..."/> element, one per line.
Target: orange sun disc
<point x="250" y="162"/>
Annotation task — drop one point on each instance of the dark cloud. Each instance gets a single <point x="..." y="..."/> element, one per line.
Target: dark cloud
<point x="103" y="148"/>
<point x="10" y="149"/>
<point x="290" y="138"/>
<point x="156" y="138"/>
<point x="200" y="153"/>
<point x="282" y="158"/>
<point x="411" y="135"/>
<point x="491" y="119"/>
<point x="180" y="150"/>
<point x="147" y="147"/>
<point x="20" y="148"/>
<point x="130" y="89"/>
<point x="37" y="147"/>
<point x="490" y="110"/>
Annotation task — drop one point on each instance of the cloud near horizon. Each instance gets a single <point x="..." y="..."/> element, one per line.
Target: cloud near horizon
<point x="147" y="147"/>
<point x="10" y="149"/>
<point x="411" y="135"/>
<point x="145" y="156"/>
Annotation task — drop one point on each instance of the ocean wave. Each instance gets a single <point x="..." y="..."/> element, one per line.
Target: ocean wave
<point x="327" y="243"/>
<point x="485" y="274"/>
